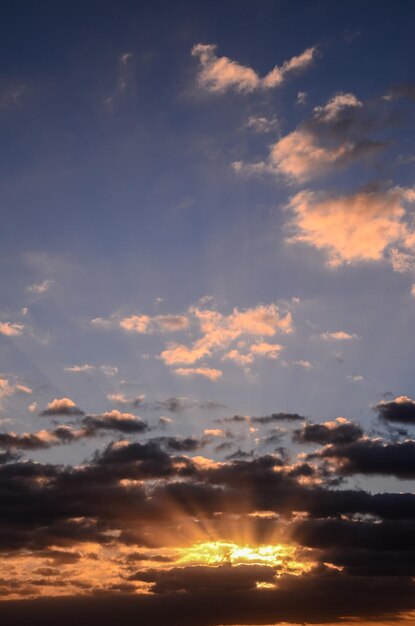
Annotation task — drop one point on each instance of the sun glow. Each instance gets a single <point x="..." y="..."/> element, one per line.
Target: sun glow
<point x="280" y="556"/>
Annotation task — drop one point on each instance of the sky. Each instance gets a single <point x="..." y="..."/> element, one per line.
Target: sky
<point x="207" y="303"/>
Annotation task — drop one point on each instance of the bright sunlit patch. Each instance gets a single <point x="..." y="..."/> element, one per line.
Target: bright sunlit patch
<point x="280" y="556"/>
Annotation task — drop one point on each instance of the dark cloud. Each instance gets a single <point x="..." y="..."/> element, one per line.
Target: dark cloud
<point x="206" y="578"/>
<point x="354" y="597"/>
<point x="40" y="440"/>
<point x="404" y="90"/>
<point x="144" y="495"/>
<point x="9" y="455"/>
<point x="113" y="420"/>
<point x="337" y="432"/>
<point x="400" y="409"/>
<point x="373" y="456"/>
<point x="181" y="444"/>
<point x="277" y="417"/>
<point x="236" y="419"/>
<point x="337" y="533"/>
<point x="176" y="404"/>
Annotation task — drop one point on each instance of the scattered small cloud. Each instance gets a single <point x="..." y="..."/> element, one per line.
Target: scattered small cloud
<point x="62" y="407"/>
<point x="206" y="372"/>
<point x="39" y="288"/>
<point x="262" y="124"/>
<point x="301" y="97"/>
<point x="338" y="335"/>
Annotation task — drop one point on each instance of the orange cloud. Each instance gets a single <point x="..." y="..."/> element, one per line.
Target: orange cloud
<point x="339" y="335"/>
<point x="206" y="372"/>
<point x="11" y="330"/>
<point x="317" y="145"/>
<point x="218" y="74"/>
<point x="219" y="331"/>
<point x="353" y="228"/>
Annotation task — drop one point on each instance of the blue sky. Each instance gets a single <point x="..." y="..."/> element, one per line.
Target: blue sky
<point x="210" y="204"/>
<point x="118" y="176"/>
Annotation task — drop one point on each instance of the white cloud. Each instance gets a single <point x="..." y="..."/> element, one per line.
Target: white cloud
<point x="355" y="378"/>
<point x="337" y="105"/>
<point x="304" y="364"/>
<point x="109" y="370"/>
<point x="339" y="335"/>
<point x="262" y="124"/>
<point x="39" y="288"/>
<point x="80" y="368"/>
<point x="301" y="97"/>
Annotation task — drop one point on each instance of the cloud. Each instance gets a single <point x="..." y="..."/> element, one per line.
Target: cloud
<point x="404" y="90"/>
<point x="303" y="363"/>
<point x="336" y="106"/>
<point x="277" y="417"/>
<point x="136" y="511"/>
<point x="9" y="388"/>
<point x="206" y="372"/>
<point x="264" y="349"/>
<point x="124" y="80"/>
<point x="334" y="137"/>
<point x="11" y="330"/>
<point x="41" y="439"/>
<point x="262" y="124"/>
<point x="39" y="288"/>
<point x="12" y="94"/>
<point x="219" y="331"/>
<point x="301" y="97"/>
<point x="107" y="370"/>
<point x="189" y="534"/>
<point x="220" y="74"/>
<point x="144" y="324"/>
<point x="401" y="410"/>
<point x="136" y="323"/>
<point x="115" y="420"/>
<point x="373" y="457"/>
<point x="173" y="404"/>
<point x="80" y="368"/>
<point x="62" y="406"/>
<point x="352" y="228"/>
<point x="338" y="431"/>
<point x="338" y="335"/>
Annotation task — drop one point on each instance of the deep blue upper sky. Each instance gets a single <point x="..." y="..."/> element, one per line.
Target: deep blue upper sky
<point x="117" y="186"/>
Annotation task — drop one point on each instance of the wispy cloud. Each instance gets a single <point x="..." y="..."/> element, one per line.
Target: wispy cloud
<point x="206" y="372"/>
<point x="219" y="74"/>
<point x="39" y="288"/>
